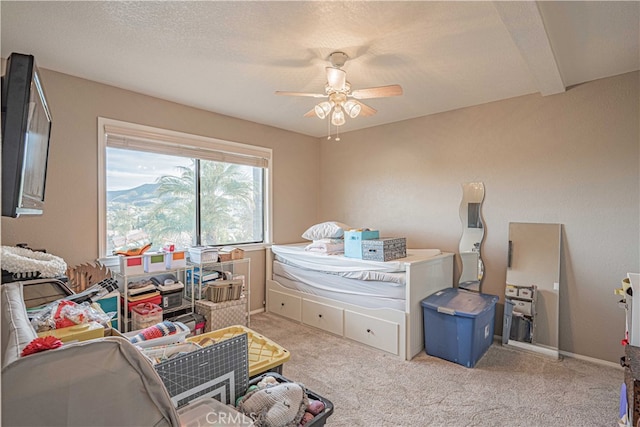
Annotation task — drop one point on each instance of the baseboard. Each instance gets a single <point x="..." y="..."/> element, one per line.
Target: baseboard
<point x="591" y="359"/>
<point x="550" y="352"/>
<point x="498" y="340"/>
<point x="257" y="311"/>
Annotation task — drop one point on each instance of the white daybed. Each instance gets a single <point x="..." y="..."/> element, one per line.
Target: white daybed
<point x="375" y="303"/>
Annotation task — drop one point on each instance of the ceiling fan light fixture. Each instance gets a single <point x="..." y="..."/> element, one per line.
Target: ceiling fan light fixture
<point x="337" y="118"/>
<point x="322" y="109"/>
<point x="352" y="108"/>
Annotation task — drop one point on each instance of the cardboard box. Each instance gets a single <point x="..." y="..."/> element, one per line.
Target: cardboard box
<point x="223" y="314"/>
<point x="81" y="332"/>
<point x="385" y="249"/>
<point x="353" y="241"/>
<point x="230" y="254"/>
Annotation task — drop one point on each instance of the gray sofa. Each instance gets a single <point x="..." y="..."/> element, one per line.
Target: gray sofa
<point x="101" y="382"/>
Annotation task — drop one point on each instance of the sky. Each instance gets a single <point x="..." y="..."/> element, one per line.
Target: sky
<point x="125" y="171"/>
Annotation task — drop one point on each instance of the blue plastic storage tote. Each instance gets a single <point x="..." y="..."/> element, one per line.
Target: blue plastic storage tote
<point x="458" y="325"/>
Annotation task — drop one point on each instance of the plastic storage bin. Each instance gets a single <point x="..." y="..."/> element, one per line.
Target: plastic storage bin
<point x="145" y="315"/>
<point x="131" y="265"/>
<point x="194" y="321"/>
<point x="458" y="325"/>
<point x="210" y="412"/>
<point x="201" y="254"/>
<point x="179" y="336"/>
<point x="264" y="354"/>
<point x="175" y="259"/>
<point x="317" y="421"/>
<point x="153" y="262"/>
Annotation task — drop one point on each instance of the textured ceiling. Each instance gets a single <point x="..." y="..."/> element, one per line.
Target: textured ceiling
<point x="230" y="57"/>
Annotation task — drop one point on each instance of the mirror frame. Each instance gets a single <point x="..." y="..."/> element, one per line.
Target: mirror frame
<point x="473" y="232"/>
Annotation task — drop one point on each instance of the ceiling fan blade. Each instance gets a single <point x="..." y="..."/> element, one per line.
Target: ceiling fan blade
<point x="365" y="109"/>
<point x="313" y="95"/>
<point x="377" y="92"/>
<point x="336" y="78"/>
<point x="310" y="113"/>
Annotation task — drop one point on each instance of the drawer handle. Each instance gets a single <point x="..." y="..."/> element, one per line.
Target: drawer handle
<point x="319" y="315"/>
<point x="368" y="331"/>
<point x="282" y="304"/>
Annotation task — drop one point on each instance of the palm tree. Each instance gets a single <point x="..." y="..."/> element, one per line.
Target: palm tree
<point x="226" y="197"/>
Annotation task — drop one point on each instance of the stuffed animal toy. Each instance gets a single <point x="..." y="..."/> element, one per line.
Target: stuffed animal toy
<point x="275" y="405"/>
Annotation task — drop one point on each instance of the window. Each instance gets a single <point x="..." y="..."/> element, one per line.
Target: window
<point x="164" y="187"/>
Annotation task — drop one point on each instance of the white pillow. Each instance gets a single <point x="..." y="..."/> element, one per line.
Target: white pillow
<point x="325" y="230"/>
<point x="17" y="331"/>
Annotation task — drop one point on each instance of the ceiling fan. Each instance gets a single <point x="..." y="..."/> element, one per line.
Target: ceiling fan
<point x="340" y="99"/>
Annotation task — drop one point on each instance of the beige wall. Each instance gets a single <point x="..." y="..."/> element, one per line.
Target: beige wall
<point x="571" y="158"/>
<point x="69" y="226"/>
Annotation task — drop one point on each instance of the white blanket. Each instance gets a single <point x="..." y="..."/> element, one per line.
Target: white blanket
<point x="327" y="246"/>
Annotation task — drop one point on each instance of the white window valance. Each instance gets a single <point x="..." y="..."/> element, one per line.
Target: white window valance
<point x="142" y="138"/>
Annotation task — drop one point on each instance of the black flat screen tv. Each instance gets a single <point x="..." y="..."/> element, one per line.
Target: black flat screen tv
<point x="26" y="130"/>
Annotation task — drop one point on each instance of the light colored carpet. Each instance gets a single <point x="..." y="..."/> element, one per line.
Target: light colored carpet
<point x="507" y="387"/>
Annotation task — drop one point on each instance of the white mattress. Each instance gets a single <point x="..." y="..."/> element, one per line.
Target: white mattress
<point x="339" y="264"/>
<point x="364" y="293"/>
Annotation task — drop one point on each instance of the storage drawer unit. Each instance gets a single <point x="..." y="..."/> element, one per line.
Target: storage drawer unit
<point x="369" y="330"/>
<point x="323" y="316"/>
<point x="285" y="305"/>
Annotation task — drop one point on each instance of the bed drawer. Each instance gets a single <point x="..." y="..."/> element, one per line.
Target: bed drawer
<point x="284" y="305"/>
<point x="368" y="330"/>
<point x="322" y="316"/>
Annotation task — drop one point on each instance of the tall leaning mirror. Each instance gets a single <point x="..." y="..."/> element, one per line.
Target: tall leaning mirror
<point x="472" y="268"/>
<point x="532" y="293"/>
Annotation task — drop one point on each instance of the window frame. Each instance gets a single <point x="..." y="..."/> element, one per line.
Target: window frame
<point x="168" y="142"/>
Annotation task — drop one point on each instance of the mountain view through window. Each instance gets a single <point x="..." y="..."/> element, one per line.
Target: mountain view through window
<point x="151" y="198"/>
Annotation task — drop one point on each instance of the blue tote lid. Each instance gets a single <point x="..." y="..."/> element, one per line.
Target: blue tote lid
<point x="459" y="302"/>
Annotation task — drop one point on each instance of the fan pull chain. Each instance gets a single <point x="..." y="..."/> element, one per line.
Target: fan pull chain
<point x="328" y="128"/>
<point x="337" y="133"/>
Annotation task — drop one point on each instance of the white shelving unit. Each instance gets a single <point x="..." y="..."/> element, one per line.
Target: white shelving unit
<point x="237" y="267"/>
<point x="181" y="275"/>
